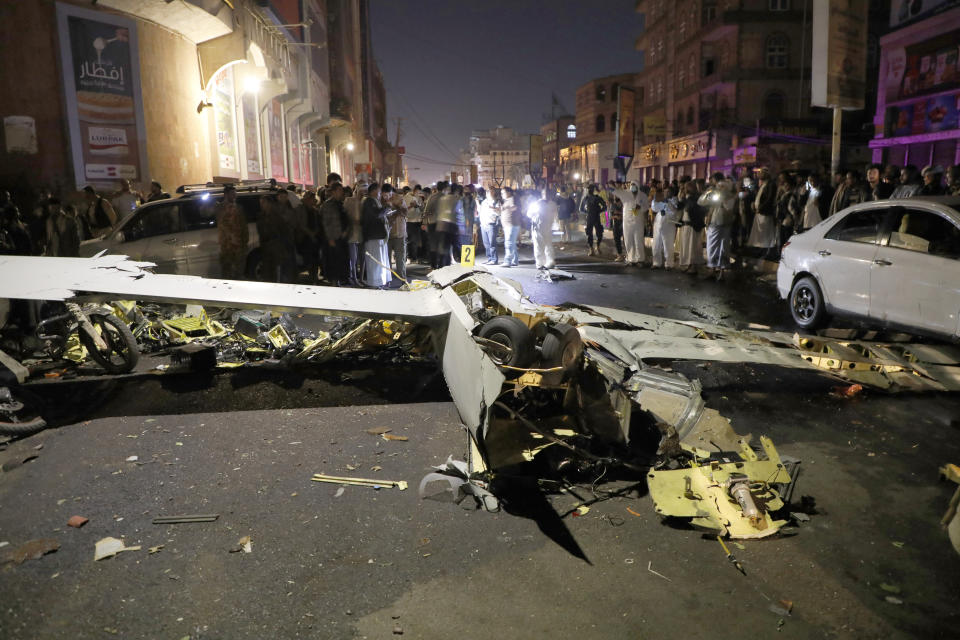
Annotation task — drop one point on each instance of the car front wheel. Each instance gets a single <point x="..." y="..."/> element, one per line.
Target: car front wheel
<point x="806" y="303"/>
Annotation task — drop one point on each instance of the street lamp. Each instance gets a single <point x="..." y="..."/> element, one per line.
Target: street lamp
<point x="576" y="176"/>
<point x="349" y="146"/>
<point x="251" y="84"/>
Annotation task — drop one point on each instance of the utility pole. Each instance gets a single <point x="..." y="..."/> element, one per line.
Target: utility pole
<point x="396" y="149"/>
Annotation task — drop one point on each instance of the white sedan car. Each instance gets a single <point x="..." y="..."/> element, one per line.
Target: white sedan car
<point x="179" y="234"/>
<point x="892" y="262"/>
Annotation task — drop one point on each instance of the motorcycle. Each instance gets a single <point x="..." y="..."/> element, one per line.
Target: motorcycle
<point x="107" y="339"/>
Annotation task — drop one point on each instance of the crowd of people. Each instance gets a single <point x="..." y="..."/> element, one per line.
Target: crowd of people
<point x="367" y="234"/>
<point x="56" y="228"/>
<point x="733" y="219"/>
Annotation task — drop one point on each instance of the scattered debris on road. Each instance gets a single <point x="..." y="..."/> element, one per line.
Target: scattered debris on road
<point x="109" y="547"/>
<point x="186" y="519"/>
<point x="30" y="550"/>
<point x="77" y="521"/>
<point x="518" y="372"/>
<point x="360" y="482"/>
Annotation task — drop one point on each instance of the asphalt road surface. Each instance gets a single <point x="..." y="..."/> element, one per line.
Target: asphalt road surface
<point x="866" y="557"/>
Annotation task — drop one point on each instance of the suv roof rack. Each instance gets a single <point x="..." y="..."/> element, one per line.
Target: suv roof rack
<point x="240" y="185"/>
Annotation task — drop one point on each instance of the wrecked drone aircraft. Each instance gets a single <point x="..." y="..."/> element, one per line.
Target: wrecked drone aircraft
<point x="527" y="378"/>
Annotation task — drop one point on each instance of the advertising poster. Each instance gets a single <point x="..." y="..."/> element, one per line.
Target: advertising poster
<point x="839" y="69"/>
<point x="295" y="154"/>
<point x="225" y="122"/>
<point x="306" y="159"/>
<point x="900" y="121"/>
<point x="940" y="113"/>
<point x="275" y="126"/>
<point x="536" y="153"/>
<point x="102" y="90"/>
<point x="929" y="67"/>
<point x="626" y="128"/>
<point x="251" y="134"/>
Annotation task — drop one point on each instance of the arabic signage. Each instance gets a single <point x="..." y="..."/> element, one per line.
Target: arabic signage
<point x="223" y="114"/>
<point x="745" y="155"/>
<point x="689" y="149"/>
<point x="655" y="125"/>
<point x="839" y="70"/>
<point x="251" y="134"/>
<point x="101" y="79"/>
<point x="275" y="128"/>
<point x="649" y="155"/>
<point x="939" y="113"/>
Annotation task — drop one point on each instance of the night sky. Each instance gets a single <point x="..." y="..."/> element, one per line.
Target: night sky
<point x="452" y="66"/>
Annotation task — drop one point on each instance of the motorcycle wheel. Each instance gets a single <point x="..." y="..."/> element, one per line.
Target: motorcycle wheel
<point x="121" y="354"/>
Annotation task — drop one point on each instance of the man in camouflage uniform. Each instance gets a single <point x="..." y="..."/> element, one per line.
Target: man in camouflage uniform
<point x="233" y="234"/>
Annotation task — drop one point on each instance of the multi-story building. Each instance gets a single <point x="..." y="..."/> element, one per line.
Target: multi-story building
<point x="918" y="100"/>
<point x="502" y="156"/>
<point x="558" y="136"/>
<point x="594" y="152"/>
<point x="185" y="92"/>
<point x="726" y="86"/>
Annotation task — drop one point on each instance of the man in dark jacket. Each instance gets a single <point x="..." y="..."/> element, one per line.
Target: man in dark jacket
<point x="593" y="205"/>
<point x="336" y="227"/>
<point x="374" y="222"/>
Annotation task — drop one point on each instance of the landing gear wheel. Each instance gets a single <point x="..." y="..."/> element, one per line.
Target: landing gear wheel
<point x="806" y="303"/>
<point x="121" y="354"/>
<point x="514" y="345"/>
<point x="562" y="347"/>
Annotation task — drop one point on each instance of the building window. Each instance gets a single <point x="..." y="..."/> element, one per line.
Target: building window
<point x="692" y="70"/>
<point x="659" y="88"/>
<point x="774" y="106"/>
<point x="777" y="51"/>
<point x="613" y="91"/>
<point x="600" y="124"/>
<point x="690" y="115"/>
<point x="613" y="122"/>
<point x="640" y="96"/>
<point x="571" y="132"/>
<point x="709" y="11"/>
<point x="601" y="93"/>
<point x="724" y="56"/>
<point x="679" y="121"/>
<point x="660" y="49"/>
<point x="779" y="5"/>
<point x="682" y="77"/>
<point x="682" y="29"/>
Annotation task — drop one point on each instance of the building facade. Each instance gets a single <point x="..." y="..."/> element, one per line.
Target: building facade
<point x="501" y="155"/>
<point x="593" y="152"/>
<point x="918" y="97"/>
<point x="726" y="87"/>
<point x="185" y="92"/>
<point x="558" y="136"/>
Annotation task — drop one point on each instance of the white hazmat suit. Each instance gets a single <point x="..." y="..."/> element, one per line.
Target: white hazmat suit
<point x="542" y="214"/>
<point x="635" y="206"/>
<point x="664" y="231"/>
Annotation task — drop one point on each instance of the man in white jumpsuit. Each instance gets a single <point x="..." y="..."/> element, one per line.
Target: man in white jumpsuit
<point x="542" y="214"/>
<point x="664" y="205"/>
<point x="635" y="206"/>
